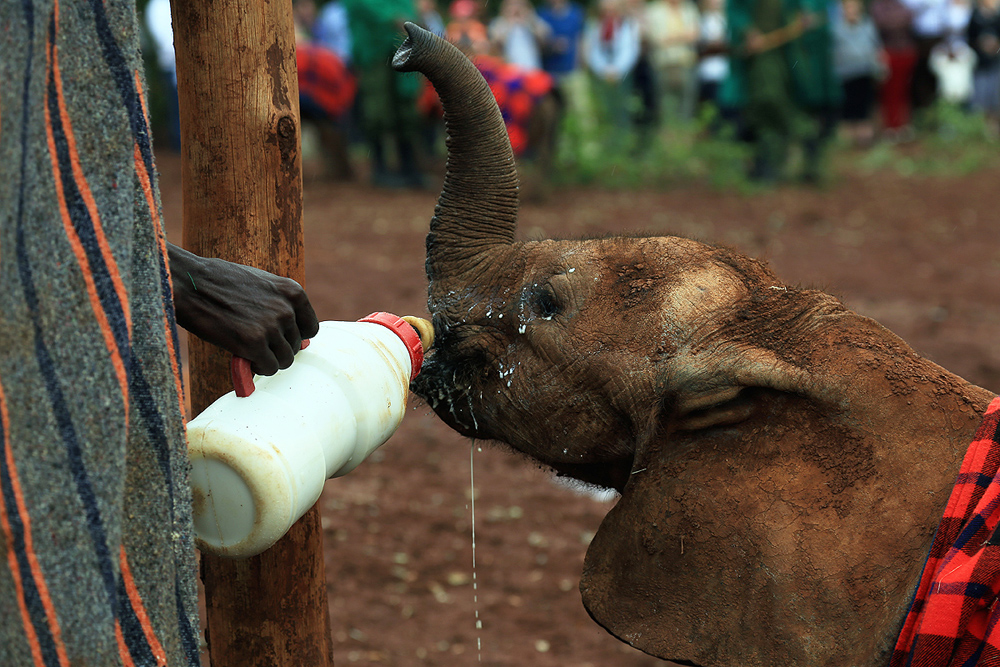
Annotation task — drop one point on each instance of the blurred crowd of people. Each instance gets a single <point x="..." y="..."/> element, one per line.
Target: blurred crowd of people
<point x="780" y="72"/>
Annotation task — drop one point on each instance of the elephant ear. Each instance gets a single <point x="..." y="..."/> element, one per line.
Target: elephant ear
<point x="712" y="556"/>
<point x="646" y="575"/>
<point x="675" y="572"/>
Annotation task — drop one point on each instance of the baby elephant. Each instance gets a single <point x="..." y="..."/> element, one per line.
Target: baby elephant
<point x="782" y="461"/>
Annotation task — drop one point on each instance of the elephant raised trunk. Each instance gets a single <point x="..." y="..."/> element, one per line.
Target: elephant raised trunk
<point x="478" y="203"/>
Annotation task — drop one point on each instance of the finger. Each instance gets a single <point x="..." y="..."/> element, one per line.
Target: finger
<point x="305" y="317"/>
<point x="290" y="331"/>
<point x="284" y="353"/>
<point x="264" y="362"/>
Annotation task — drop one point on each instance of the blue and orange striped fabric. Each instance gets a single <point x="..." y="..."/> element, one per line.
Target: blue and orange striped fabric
<point x="95" y="521"/>
<point x="954" y="619"/>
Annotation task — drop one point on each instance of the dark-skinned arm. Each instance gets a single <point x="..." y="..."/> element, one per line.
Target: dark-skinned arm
<point x="757" y="42"/>
<point x="246" y="311"/>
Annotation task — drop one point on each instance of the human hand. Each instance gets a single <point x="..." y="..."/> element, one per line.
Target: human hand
<point x="251" y="313"/>
<point x="755" y="41"/>
<point x="808" y="20"/>
<point x="989" y="43"/>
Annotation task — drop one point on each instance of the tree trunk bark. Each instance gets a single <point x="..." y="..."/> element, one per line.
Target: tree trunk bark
<point x="242" y="184"/>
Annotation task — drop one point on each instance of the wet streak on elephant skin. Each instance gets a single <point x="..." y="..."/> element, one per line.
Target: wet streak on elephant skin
<point x="782" y="461"/>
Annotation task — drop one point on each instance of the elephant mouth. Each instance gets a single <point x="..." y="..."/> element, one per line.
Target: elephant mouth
<point x="450" y="390"/>
<point x="613" y="474"/>
<point x="450" y="395"/>
<point x="451" y="379"/>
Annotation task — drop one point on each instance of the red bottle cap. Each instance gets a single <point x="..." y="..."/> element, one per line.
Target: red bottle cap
<point x="406" y="333"/>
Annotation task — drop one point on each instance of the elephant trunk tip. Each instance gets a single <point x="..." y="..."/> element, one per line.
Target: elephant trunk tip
<point x="402" y="59"/>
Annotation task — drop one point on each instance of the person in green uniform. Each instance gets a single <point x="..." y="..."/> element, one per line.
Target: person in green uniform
<point x="815" y="84"/>
<point x="782" y="81"/>
<point x="388" y="99"/>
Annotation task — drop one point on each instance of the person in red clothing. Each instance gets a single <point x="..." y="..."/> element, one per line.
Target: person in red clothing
<point x="894" y="22"/>
<point x="326" y="86"/>
<point x="326" y="95"/>
<point x="954" y="619"/>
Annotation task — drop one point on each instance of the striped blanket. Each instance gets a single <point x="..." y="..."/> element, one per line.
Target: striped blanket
<point x="516" y="90"/>
<point x="953" y="620"/>
<point x="95" y="524"/>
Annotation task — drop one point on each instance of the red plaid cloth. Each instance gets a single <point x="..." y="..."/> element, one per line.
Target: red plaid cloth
<point x="325" y="83"/>
<point x="952" y="621"/>
<point x="516" y="90"/>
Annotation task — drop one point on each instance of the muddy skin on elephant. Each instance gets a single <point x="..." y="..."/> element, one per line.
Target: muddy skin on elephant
<point x="783" y="462"/>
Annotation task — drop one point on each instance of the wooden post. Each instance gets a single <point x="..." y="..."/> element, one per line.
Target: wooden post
<point x="242" y="183"/>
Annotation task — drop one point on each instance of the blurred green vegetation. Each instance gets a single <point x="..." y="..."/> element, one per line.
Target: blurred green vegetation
<point x="948" y="142"/>
<point x="658" y="157"/>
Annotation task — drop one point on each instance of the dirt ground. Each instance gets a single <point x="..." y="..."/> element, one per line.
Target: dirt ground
<point x="921" y="256"/>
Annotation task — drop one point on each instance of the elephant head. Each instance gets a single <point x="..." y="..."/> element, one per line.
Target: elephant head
<point x="782" y="462"/>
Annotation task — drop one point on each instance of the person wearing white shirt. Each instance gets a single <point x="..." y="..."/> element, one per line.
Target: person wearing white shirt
<point x="611" y="52"/>
<point x="518" y="34"/>
<point x="612" y="43"/>
<point x="952" y="60"/>
<point x="672" y="30"/>
<point x="713" y="66"/>
<point x="931" y="19"/>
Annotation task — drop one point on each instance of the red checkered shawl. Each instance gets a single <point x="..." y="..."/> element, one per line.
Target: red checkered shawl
<point x="953" y="620"/>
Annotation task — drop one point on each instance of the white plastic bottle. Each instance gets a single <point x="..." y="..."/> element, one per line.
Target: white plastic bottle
<point x="259" y="462"/>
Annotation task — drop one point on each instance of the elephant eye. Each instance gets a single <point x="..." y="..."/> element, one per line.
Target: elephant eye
<point x="546" y="304"/>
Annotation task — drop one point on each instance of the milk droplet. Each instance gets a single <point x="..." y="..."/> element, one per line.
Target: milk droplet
<point x="475" y="585"/>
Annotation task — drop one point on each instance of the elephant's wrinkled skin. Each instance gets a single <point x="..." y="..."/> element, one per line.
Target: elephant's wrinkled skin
<point x="783" y="462"/>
